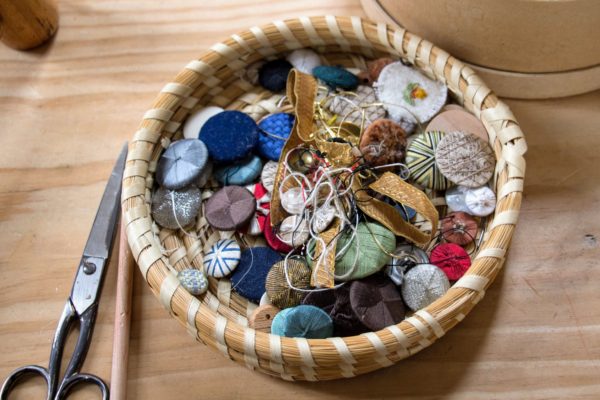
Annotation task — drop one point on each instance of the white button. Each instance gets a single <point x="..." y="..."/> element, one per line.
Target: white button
<point x="293" y="200"/>
<point x="191" y="128"/>
<point x="481" y="201"/>
<point x="294" y="231"/>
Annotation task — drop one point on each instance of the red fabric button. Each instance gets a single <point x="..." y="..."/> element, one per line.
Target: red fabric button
<point x="459" y="227"/>
<point x="452" y="259"/>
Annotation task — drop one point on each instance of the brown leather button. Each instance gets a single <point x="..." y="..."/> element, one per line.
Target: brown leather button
<point x="262" y="318"/>
<point x="383" y="142"/>
<point x="455" y="118"/>
<point x="459" y="227"/>
<point x="376" y="302"/>
<point x="230" y="208"/>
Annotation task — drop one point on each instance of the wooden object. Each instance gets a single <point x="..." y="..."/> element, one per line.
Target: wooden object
<point x="535" y="335"/>
<point x="120" y="357"/>
<point x="296" y="359"/>
<point x="262" y="318"/>
<point x="25" y="24"/>
<point x="522" y="48"/>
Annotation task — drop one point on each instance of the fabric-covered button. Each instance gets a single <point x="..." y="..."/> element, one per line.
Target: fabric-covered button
<point x="407" y="93"/>
<point x="292" y="200"/>
<point x="377" y="302"/>
<point x="453" y="120"/>
<point x="262" y="318"/>
<point x="452" y="259"/>
<point x="465" y="159"/>
<point x="181" y="163"/>
<point x="459" y="227"/>
<point x="279" y="291"/>
<point x="336" y="77"/>
<point x="294" y="231"/>
<point x="241" y="173"/>
<point x="383" y="142"/>
<point x="304" y="60"/>
<point x="370" y="257"/>
<point x="229" y="136"/>
<point x="357" y="106"/>
<point x="272" y="75"/>
<point x="174" y="209"/>
<point x="230" y="208"/>
<point x="423" y="284"/>
<point x="336" y="302"/>
<point x="193" y="280"/>
<point x="222" y="258"/>
<point x="193" y="123"/>
<point x="302" y="321"/>
<point x="272" y="240"/>
<point x="405" y="257"/>
<point x="481" y="201"/>
<point x="374" y="67"/>
<point x="257" y="223"/>
<point x="250" y="276"/>
<point x="420" y="159"/>
<point x="274" y="131"/>
<point x="267" y="176"/>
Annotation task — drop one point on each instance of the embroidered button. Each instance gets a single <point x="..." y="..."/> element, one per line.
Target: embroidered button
<point x="193" y="280"/>
<point x="174" y="209"/>
<point x="336" y="77"/>
<point x="423" y="285"/>
<point x="304" y="60"/>
<point x="457" y="119"/>
<point x="181" y="164"/>
<point x="229" y="136"/>
<point x="222" y="258"/>
<point x="452" y="259"/>
<point x="405" y="257"/>
<point x="459" y="227"/>
<point x="282" y="274"/>
<point x="241" y="173"/>
<point x="420" y="159"/>
<point x="481" y="201"/>
<point x="360" y="107"/>
<point x="406" y="93"/>
<point x="193" y="123"/>
<point x="377" y="302"/>
<point x="302" y="321"/>
<point x="250" y="276"/>
<point x="274" y="131"/>
<point x="383" y="142"/>
<point x="294" y="231"/>
<point x="267" y="176"/>
<point x="230" y="208"/>
<point x="272" y="75"/>
<point x="465" y="159"/>
<point x="262" y="318"/>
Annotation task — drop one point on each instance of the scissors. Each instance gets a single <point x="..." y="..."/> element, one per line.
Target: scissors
<point x="82" y="304"/>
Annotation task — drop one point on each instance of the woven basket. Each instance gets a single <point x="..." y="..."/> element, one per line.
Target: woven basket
<point x="219" y="319"/>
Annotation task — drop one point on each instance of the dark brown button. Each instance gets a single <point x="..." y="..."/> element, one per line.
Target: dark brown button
<point x="383" y="142"/>
<point x="376" y="302"/>
<point x="459" y="227"/>
<point x="230" y="208"/>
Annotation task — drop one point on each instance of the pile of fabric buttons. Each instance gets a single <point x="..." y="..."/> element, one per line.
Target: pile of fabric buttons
<point x="353" y="241"/>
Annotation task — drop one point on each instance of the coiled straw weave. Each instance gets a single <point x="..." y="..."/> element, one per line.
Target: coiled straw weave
<point x="219" y="319"/>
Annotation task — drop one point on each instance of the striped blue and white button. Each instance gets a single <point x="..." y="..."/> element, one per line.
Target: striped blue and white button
<point x="222" y="258"/>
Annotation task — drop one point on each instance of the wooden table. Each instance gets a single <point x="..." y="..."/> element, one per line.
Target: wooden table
<point x="66" y="109"/>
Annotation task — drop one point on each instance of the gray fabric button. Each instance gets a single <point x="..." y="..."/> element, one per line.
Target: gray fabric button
<point x="181" y="164"/>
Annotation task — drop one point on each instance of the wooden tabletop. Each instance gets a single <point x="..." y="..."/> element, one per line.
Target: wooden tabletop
<point x="67" y="108"/>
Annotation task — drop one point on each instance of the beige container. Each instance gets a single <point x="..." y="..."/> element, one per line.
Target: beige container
<point x="523" y="48"/>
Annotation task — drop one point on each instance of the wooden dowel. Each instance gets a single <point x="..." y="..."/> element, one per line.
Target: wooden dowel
<point x="25" y="24"/>
<point x="118" y="380"/>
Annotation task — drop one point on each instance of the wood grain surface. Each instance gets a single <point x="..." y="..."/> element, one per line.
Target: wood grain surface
<point x="65" y="110"/>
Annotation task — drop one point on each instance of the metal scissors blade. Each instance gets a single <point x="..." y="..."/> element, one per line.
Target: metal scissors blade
<point x="100" y="239"/>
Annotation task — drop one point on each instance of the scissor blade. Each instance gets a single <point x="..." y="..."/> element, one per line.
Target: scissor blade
<point x="102" y="233"/>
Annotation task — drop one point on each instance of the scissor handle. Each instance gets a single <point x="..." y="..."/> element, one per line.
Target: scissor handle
<point x="69" y="383"/>
<point x="19" y="373"/>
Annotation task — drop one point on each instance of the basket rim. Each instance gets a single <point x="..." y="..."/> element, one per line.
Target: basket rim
<point x="315" y="359"/>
